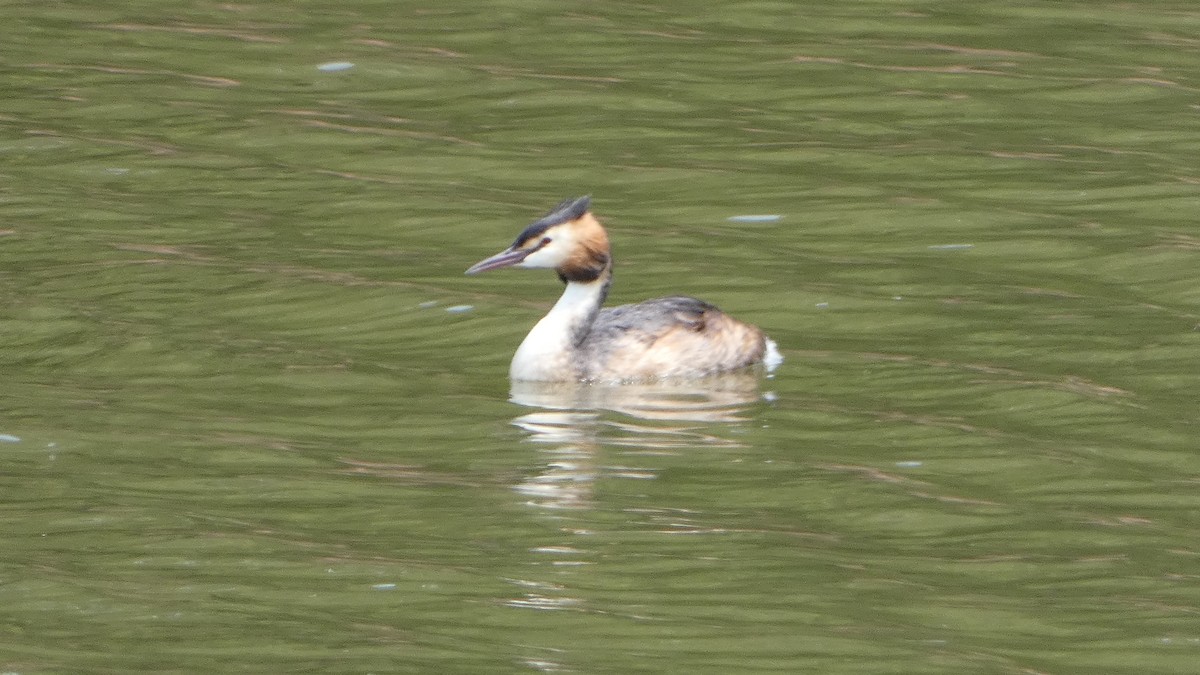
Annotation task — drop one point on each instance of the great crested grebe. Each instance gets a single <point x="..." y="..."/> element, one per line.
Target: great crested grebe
<point x="578" y="341"/>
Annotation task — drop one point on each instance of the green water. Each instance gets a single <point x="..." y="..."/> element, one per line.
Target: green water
<point x="241" y="432"/>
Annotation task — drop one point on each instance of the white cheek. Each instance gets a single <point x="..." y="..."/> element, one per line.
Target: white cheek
<point x="549" y="256"/>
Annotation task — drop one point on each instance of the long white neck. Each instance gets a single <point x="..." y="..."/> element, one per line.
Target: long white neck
<point x="551" y="350"/>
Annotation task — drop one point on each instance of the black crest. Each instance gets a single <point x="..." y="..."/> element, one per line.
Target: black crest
<point x="565" y="212"/>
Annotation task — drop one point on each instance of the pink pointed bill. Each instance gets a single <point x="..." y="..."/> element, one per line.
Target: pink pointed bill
<point x="506" y="258"/>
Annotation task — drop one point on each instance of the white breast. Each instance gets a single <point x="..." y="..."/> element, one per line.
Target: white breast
<point x="548" y="353"/>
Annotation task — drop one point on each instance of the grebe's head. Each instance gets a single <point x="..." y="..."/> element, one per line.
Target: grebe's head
<point x="568" y="240"/>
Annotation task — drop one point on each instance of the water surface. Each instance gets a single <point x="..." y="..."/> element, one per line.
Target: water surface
<point x="242" y="432"/>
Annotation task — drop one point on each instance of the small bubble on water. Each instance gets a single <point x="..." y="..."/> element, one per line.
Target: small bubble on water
<point x="460" y="309"/>
<point x="9" y="438"/>
<point x="951" y="247"/>
<point x="428" y="303"/>
<point x="383" y="587"/>
<point x="822" y="305"/>
<point x="755" y="218"/>
<point x="909" y="464"/>
<point x="335" y="66"/>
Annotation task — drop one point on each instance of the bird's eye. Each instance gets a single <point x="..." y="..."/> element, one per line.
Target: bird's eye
<point x="545" y="240"/>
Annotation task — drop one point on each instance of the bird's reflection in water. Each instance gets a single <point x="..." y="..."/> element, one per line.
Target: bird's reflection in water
<point x="659" y="417"/>
<point x="574" y="422"/>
